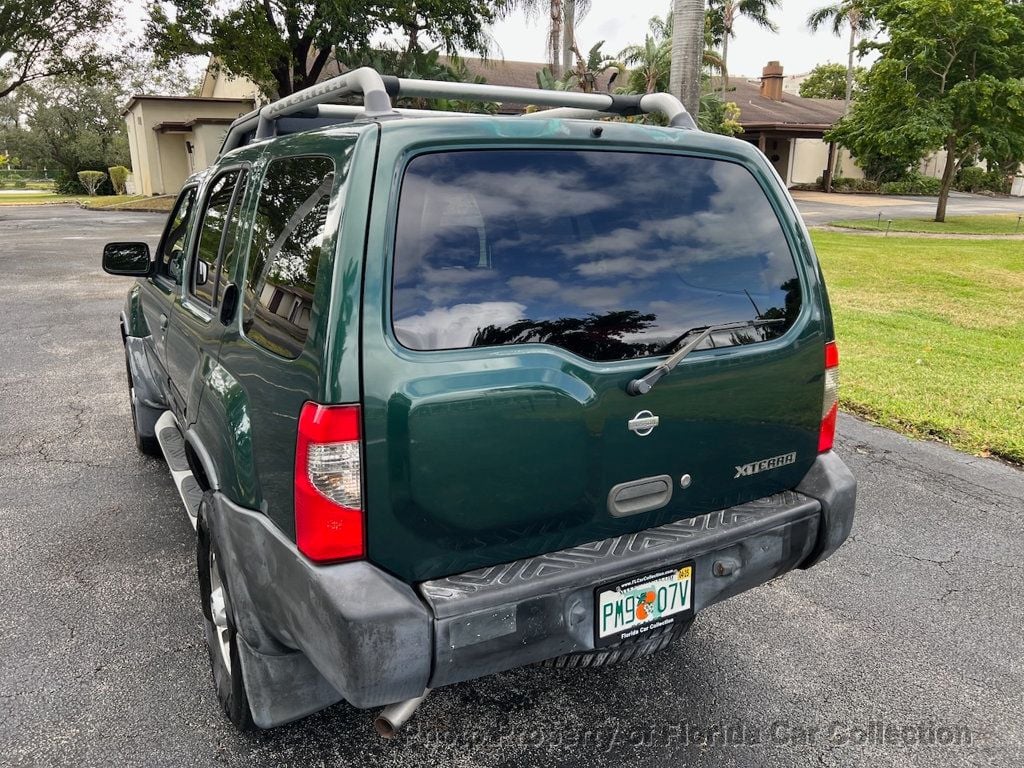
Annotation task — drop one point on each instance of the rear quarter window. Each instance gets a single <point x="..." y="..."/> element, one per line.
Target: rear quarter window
<point x="610" y="255"/>
<point x="288" y="235"/>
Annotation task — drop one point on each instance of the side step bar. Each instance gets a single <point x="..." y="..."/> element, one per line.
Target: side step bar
<point x="173" y="446"/>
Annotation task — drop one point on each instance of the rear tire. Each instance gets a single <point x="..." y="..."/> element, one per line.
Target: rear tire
<point x="219" y="627"/>
<point x="622" y="651"/>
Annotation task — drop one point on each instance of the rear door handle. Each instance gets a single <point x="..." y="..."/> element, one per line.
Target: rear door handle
<point x="163" y="322"/>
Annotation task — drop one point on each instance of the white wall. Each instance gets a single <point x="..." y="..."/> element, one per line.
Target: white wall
<point x="811" y="157"/>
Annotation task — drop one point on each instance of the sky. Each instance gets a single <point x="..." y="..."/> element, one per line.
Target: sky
<point x="621" y="23"/>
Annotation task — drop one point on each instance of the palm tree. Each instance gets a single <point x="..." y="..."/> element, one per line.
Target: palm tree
<point x="725" y="13"/>
<point x="562" y="16"/>
<point x="650" y="62"/>
<point x="844" y="13"/>
<point x="687" y="52"/>
<point x="588" y="70"/>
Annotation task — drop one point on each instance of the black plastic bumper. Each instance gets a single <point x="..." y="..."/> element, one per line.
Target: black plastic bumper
<point x="318" y="634"/>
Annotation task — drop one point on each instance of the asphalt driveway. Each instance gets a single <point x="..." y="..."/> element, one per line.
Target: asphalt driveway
<point x="819" y="208"/>
<point x="905" y="648"/>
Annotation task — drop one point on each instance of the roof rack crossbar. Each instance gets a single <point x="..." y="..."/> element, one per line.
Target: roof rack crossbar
<point x="378" y="91"/>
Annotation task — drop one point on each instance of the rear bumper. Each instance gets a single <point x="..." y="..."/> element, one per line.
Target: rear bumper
<point x="369" y="638"/>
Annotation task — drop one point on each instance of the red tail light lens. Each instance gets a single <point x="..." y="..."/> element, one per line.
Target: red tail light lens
<point x="830" y="401"/>
<point x="328" y="484"/>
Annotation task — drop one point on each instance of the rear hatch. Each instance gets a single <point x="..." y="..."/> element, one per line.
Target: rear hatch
<point x="522" y="291"/>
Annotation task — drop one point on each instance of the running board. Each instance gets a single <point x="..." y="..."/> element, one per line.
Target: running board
<point x="173" y="446"/>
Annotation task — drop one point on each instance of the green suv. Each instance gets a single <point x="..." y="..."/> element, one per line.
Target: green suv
<point x="446" y="394"/>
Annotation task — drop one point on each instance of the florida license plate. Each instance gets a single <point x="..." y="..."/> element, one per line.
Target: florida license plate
<point x="631" y="609"/>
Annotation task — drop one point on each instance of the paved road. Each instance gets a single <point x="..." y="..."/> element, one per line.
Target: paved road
<point x="916" y="622"/>
<point x="819" y="208"/>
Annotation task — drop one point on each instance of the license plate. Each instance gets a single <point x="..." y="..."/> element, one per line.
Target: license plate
<point x="641" y="604"/>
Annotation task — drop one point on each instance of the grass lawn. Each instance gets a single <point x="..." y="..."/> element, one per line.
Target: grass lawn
<point x="931" y="336"/>
<point x="28" y="197"/>
<point x="995" y="224"/>
<point x="132" y="203"/>
<point x="103" y="202"/>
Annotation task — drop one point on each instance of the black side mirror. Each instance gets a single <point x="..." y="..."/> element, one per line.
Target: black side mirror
<point x="129" y="259"/>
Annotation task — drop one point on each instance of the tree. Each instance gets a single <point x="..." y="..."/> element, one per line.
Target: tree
<point x="949" y="77"/>
<point x="48" y="39"/>
<point x="687" y="53"/>
<point x="650" y="64"/>
<point x="285" y="45"/>
<point x="91" y="180"/>
<point x="723" y="16"/>
<point x="588" y="70"/>
<point x="561" y="16"/>
<point x="73" y="126"/>
<point x="829" y="81"/>
<point x="851" y="13"/>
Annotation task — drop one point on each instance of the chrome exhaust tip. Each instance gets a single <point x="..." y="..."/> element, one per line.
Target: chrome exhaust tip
<point x="394" y="716"/>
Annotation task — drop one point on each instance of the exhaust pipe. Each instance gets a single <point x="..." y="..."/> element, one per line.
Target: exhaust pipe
<point x="394" y="716"/>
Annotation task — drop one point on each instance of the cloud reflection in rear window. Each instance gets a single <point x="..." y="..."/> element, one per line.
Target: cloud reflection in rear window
<point x="610" y="255"/>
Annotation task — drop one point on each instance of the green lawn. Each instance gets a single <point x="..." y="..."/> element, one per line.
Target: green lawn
<point x="128" y="203"/>
<point x="102" y="202"/>
<point x="996" y="224"/>
<point x="20" y="197"/>
<point x="931" y="336"/>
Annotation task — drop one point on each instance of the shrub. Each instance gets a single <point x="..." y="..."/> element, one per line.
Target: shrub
<point x="91" y="180"/>
<point x="20" y="183"/>
<point x="913" y="184"/>
<point x="843" y="184"/>
<point x="67" y="183"/>
<point x="119" y="178"/>
<point x="975" y="179"/>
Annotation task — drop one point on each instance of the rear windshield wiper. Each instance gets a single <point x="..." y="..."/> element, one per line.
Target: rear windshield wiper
<point x="644" y="384"/>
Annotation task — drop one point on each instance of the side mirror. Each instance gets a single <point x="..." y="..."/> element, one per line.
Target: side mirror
<point x="129" y="259"/>
<point x="202" y="272"/>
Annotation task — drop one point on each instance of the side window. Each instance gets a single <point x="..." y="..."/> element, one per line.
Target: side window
<point x="172" y="245"/>
<point x="216" y="233"/>
<point x="287" y="237"/>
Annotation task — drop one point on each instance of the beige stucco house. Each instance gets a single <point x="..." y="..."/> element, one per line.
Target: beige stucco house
<point x="171" y="137"/>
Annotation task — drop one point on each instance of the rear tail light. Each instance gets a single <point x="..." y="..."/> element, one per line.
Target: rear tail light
<point x="830" y="402"/>
<point x="328" y="483"/>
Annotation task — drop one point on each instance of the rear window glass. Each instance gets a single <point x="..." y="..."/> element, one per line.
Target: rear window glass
<point x="610" y="255"/>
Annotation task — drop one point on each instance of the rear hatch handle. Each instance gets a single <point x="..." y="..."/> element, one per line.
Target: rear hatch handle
<point x="645" y="384"/>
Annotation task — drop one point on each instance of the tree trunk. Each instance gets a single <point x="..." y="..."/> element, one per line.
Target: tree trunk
<point x="947" y="177"/>
<point x="725" y="64"/>
<point x="555" y="38"/>
<point x="687" y="52"/>
<point x="849" y="67"/>
<point x="568" y="33"/>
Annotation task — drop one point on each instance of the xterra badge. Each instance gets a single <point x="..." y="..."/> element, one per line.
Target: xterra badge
<point x="765" y="464"/>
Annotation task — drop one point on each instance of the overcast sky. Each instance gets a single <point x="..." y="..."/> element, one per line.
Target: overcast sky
<point x="621" y="23"/>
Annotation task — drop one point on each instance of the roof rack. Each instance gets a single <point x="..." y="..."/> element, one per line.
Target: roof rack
<point x="378" y="90"/>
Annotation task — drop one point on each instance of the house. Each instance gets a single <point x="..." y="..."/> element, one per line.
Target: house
<point x="788" y="128"/>
<point x="173" y="137"/>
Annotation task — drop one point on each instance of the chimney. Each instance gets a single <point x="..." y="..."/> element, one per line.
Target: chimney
<point x="771" y="81"/>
